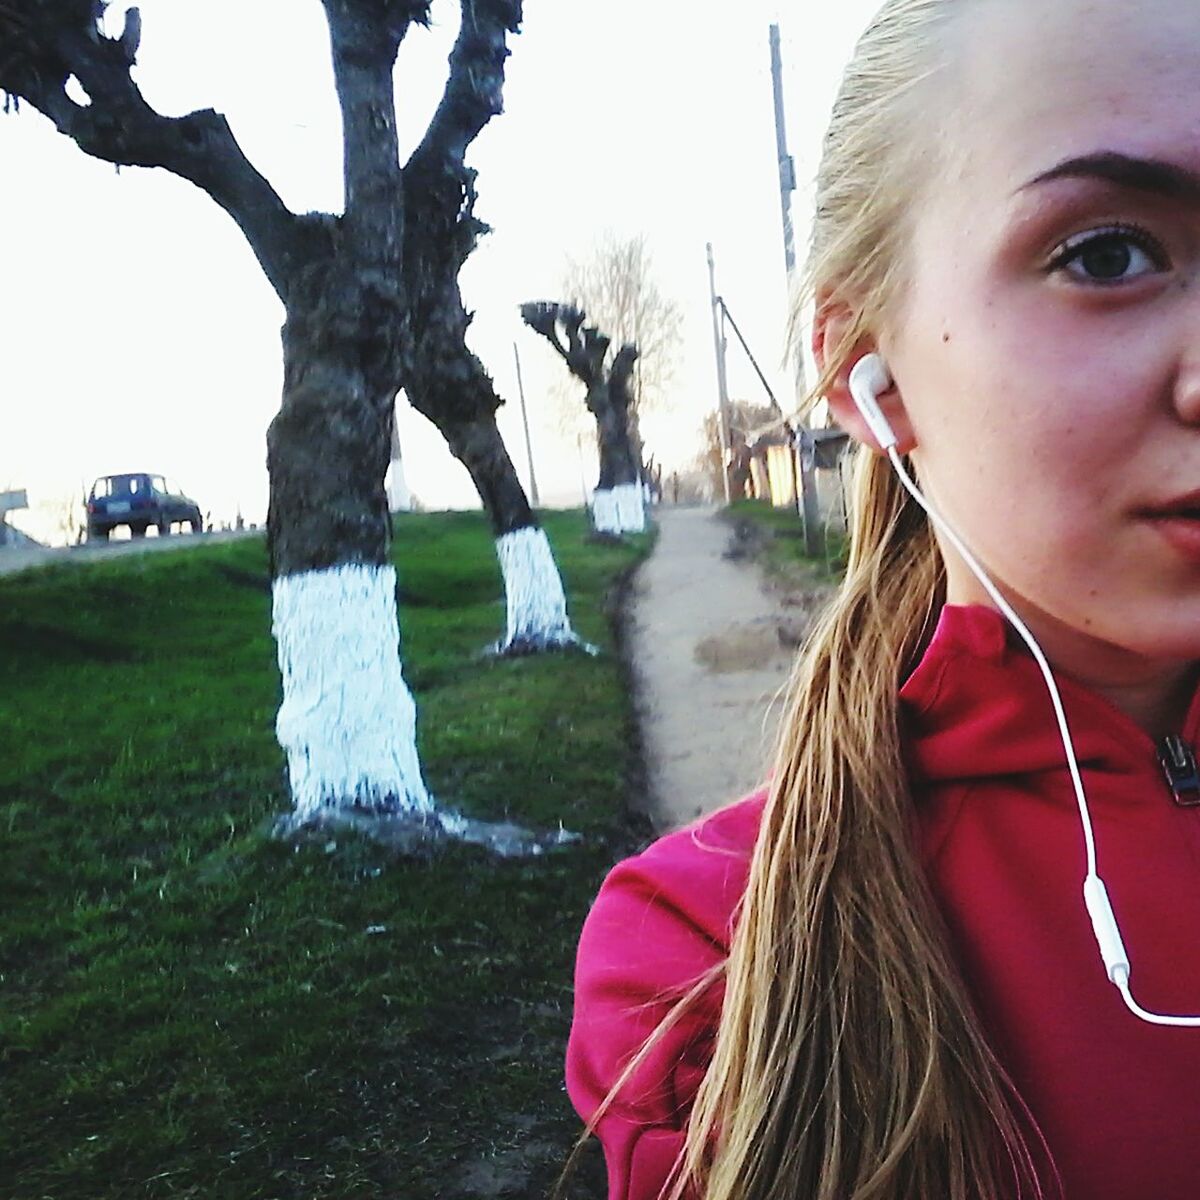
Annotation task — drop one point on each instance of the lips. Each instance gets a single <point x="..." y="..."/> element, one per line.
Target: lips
<point x="1178" y="522"/>
<point x="1186" y="506"/>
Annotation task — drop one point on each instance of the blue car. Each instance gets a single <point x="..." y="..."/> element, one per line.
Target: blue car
<point x="138" y="500"/>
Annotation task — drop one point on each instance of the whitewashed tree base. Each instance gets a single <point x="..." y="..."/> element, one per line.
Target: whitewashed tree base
<point x="631" y="509"/>
<point x="604" y="512"/>
<point x="619" y="510"/>
<point x="348" y="723"/>
<point x="420" y="835"/>
<point x="533" y="592"/>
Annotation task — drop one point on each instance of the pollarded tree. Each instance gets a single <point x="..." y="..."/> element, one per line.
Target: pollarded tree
<point x="617" y="503"/>
<point x="615" y="285"/>
<point x="444" y="380"/>
<point x="347" y="720"/>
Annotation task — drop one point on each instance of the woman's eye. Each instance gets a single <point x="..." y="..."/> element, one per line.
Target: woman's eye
<point x="1109" y="256"/>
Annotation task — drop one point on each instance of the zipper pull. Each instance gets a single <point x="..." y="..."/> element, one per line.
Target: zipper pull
<point x="1178" y="762"/>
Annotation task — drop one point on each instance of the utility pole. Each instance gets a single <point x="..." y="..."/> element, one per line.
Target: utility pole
<point x="722" y="380"/>
<point x="533" y="491"/>
<point x="583" y="488"/>
<point x="399" y="497"/>
<point x="809" y="503"/>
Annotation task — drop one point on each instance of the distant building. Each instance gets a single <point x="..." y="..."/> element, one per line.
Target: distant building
<point x="775" y="468"/>
<point x="9" y="536"/>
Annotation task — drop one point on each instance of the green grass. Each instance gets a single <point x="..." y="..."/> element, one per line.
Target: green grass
<point x="191" y="1009"/>
<point x="777" y="535"/>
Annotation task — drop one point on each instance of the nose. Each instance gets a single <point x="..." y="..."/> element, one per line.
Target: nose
<point x="1185" y="399"/>
<point x="1187" y="384"/>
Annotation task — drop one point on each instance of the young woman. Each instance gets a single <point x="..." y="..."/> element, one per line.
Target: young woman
<point x="878" y="977"/>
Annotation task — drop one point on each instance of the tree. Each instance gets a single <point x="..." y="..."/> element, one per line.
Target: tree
<point x="744" y="419"/>
<point x="617" y="505"/>
<point x="347" y="720"/>
<point x="615" y="285"/>
<point x="445" y="381"/>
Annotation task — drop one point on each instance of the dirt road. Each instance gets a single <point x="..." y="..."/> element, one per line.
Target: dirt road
<point x="14" y="559"/>
<point x="712" y="646"/>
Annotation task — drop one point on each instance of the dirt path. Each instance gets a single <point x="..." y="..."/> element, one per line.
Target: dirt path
<point x="712" y="646"/>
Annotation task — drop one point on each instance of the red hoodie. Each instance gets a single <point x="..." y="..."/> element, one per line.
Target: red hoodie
<point x="1117" y="1100"/>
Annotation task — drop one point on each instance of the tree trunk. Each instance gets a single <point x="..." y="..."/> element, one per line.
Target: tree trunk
<point x="477" y="444"/>
<point x="617" y="504"/>
<point x="347" y="721"/>
<point x="534" y="598"/>
<point x="447" y="383"/>
<point x="444" y="380"/>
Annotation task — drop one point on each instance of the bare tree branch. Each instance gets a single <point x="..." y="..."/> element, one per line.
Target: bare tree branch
<point x="585" y="351"/>
<point x="473" y="93"/>
<point x="542" y="317"/>
<point x="440" y="188"/>
<point x="365" y="36"/>
<point x="443" y="378"/>
<point x="43" y="49"/>
<point x="622" y="368"/>
<point x="586" y="347"/>
<point x="616" y="285"/>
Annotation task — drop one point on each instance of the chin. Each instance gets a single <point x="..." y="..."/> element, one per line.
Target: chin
<point x="1170" y="638"/>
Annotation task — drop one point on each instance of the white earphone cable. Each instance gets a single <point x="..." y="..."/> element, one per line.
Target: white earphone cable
<point x="1036" y="650"/>
<point x="867" y="379"/>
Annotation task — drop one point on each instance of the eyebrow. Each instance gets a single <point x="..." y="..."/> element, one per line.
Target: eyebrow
<point x="1137" y="174"/>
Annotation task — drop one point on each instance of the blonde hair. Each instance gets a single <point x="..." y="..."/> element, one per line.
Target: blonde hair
<point x="849" y="1063"/>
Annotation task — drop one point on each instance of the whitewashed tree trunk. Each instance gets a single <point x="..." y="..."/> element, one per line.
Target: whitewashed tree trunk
<point x="353" y="297"/>
<point x="605" y="518"/>
<point x="617" y="501"/>
<point x="348" y="722"/>
<point x="631" y="507"/>
<point x="533" y="592"/>
<point x="619" y="509"/>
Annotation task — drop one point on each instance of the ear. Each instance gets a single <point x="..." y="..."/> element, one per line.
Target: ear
<point x="832" y="322"/>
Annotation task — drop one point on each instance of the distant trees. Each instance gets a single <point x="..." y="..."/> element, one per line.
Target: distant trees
<point x="358" y="291"/>
<point x="617" y="502"/>
<point x="617" y="300"/>
<point x="615" y="286"/>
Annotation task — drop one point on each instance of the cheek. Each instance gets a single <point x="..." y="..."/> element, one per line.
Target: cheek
<point x="1013" y="389"/>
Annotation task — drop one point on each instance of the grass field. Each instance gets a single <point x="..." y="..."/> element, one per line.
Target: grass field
<point x="777" y="535"/>
<point x="191" y="1009"/>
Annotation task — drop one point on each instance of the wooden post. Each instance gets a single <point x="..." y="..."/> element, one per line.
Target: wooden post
<point x="722" y="379"/>
<point x="533" y="488"/>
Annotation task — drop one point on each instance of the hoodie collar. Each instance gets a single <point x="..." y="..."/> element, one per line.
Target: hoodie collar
<point x="977" y="706"/>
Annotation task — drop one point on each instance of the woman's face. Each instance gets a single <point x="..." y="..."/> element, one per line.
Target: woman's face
<point x="1047" y="353"/>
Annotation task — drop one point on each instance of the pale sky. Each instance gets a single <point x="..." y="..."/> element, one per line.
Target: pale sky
<point x="137" y="331"/>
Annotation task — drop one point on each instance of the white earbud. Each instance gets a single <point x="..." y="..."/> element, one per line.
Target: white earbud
<point x="869" y="379"/>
